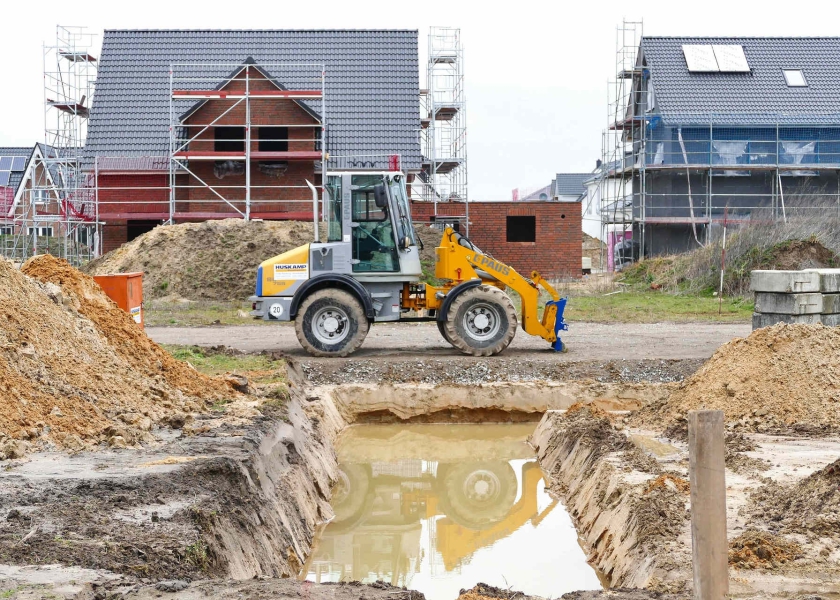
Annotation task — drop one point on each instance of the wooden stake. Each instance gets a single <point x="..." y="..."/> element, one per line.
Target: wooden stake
<point x="710" y="550"/>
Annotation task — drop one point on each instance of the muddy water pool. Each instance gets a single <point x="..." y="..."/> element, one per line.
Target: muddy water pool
<point x="438" y="508"/>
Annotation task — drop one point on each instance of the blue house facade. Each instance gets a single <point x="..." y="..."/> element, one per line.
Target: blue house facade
<point x="723" y="129"/>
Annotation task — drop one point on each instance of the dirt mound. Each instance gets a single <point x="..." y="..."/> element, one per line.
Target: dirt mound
<point x="76" y="370"/>
<point x="482" y="591"/>
<point x="213" y="260"/>
<point x="780" y="377"/>
<point x="811" y="505"/>
<point x="594" y="249"/>
<point x="795" y="255"/>
<point x="751" y="248"/>
<point x="756" y="549"/>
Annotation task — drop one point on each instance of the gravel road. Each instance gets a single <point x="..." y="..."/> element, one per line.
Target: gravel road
<point x="586" y="341"/>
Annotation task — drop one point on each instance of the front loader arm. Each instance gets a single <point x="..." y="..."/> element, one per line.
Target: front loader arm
<point x="463" y="262"/>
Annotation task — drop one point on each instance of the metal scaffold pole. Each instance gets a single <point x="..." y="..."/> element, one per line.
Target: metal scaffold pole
<point x="444" y="178"/>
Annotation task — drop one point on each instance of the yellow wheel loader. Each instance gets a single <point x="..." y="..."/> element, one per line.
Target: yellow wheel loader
<point x="368" y="270"/>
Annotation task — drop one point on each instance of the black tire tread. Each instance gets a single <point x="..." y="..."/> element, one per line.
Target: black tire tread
<point x="489" y="294"/>
<point x="355" y="313"/>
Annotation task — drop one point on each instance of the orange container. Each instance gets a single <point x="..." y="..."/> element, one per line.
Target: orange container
<point x="126" y="289"/>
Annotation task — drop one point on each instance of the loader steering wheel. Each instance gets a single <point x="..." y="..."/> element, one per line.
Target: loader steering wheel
<point x="373" y="237"/>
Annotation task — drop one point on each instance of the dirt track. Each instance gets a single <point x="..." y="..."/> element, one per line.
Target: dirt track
<point x="586" y="341"/>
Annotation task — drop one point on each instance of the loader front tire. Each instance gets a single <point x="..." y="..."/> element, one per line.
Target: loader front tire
<point x="481" y="321"/>
<point x="331" y="323"/>
<point x="442" y="328"/>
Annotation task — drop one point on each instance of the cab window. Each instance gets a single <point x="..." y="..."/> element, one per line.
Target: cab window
<point x="334" y="233"/>
<point x="374" y="245"/>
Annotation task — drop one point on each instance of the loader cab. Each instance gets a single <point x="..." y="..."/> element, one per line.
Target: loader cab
<point x="370" y="211"/>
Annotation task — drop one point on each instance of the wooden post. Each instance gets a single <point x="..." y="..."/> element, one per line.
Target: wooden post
<point x="710" y="550"/>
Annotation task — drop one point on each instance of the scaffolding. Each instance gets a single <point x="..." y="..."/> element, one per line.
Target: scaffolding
<point x="666" y="181"/>
<point x="443" y="126"/>
<point x="54" y="209"/>
<point x="234" y="150"/>
<point x="617" y="145"/>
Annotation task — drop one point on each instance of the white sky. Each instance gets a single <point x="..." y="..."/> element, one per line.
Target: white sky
<point x="536" y="72"/>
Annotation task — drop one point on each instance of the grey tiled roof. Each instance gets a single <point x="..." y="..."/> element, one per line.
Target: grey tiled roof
<point x="372" y="85"/>
<point x="570" y="184"/>
<point x="758" y="97"/>
<point x="16" y="176"/>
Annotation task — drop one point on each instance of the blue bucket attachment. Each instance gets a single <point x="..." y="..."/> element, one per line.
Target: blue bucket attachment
<point x="559" y="323"/>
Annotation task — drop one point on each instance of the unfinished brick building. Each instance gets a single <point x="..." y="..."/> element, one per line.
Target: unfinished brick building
<point x="195" y="125"/>
<point x="542" y="236"/>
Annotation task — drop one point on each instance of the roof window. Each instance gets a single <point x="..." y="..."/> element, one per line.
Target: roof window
<point x="795" y="78"/>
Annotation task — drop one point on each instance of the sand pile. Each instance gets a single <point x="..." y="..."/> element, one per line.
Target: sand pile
<point x="75" y="370"/>
<point x="785" y="376"/>
<point x="214" y="260"/>
<point x="594" y="249"/>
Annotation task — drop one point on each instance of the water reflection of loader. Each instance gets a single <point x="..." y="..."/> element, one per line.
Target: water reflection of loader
<point x="379" y="508"/>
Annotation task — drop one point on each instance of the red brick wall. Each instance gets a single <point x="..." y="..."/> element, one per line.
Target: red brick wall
<point x="267" y="192"/>
<point x="114" y="235"/>
<point x="133" y="193"/>
<point x="149" y="193"/>
<point x="556" y="253"/>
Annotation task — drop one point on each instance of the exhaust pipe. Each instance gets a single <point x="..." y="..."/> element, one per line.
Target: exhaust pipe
<point x="314" y="210"/>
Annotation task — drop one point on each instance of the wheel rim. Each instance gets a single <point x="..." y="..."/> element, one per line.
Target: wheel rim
<point x="482" y="321"/>
<point x="342" y="488"/>
<point x="330" y="325"/>
<point x="482" y="487"/>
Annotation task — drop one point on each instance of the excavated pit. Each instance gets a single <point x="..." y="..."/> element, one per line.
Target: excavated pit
<point x="249" y="502"/>
<point x="439" y="508"/>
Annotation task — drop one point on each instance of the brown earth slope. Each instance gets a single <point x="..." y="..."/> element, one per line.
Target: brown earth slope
<point x="778" y="377"/>
<point x="76" y="370"/>
<point x="214" y="260"/>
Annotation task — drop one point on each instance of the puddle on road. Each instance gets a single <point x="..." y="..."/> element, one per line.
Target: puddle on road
<point x="438" y="508"/>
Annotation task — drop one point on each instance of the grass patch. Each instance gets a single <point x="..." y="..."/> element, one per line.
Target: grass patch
<point x="263" y="368"/>
<point x="655" y="307"/>
<point x="197" y="555"/>
<point x="158" y="313"/>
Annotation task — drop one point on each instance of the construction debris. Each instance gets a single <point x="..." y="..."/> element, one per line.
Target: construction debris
<point x="76" y="370"/>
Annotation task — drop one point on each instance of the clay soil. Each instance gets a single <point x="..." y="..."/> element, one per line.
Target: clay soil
<point x="755" y="549"/>
<point x="213" y="260"/>
<point x="785" y="377"/>
<point x="76" y="370"/>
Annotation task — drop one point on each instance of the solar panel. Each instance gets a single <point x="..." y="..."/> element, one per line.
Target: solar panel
<point x="730" y="58"/>
<point x="700" y="58"/>
<point x="19" y="163"/>
<point x="4" y="178"/>
<point x="6" y="163"/>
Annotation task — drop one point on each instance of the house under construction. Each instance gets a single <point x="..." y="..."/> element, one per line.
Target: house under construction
<point x="48" y="200"/>
<point x="704" y="131"/>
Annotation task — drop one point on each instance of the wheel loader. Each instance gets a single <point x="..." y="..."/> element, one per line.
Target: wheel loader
<point x="367" y="270"/>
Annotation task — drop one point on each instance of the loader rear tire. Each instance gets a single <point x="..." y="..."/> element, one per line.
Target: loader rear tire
<point x="481" y="321"/>
<point x="331" y="323"/>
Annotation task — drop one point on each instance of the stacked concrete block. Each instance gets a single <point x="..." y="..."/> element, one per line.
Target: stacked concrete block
<point x="810" y="296"/>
